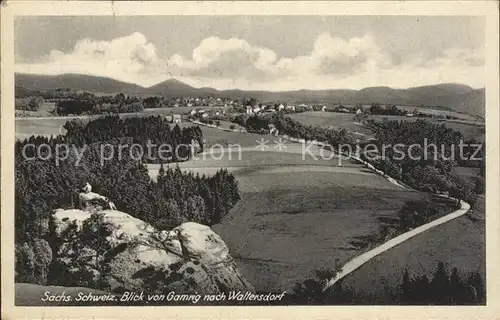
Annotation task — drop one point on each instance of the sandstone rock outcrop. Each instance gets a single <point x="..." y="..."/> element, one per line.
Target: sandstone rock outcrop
<point x="190" y="258"/>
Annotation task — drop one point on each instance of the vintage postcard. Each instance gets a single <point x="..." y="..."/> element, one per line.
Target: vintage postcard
<point x="293" y="160"/>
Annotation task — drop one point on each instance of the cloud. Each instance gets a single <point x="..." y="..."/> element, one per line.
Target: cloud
<point x="332" y="62"/>
<point x="336" y="56"/>
<point x="216" y="57"/>
<point x="124" y="58"/>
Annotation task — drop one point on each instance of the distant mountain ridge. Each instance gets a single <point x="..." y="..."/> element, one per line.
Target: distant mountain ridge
<point x="457" y="97"/>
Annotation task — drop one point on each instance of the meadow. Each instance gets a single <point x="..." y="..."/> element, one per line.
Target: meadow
<point x="296" y="216"/>
<point x="334" y="120"/>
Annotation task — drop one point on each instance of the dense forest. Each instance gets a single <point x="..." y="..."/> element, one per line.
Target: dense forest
<point x="167" y="143"/>
<point x="44" y="184"/>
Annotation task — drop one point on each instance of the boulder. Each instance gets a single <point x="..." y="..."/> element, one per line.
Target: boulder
<point x="191" y="258"/>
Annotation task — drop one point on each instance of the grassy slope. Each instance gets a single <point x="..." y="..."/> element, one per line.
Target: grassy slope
<point x="288" y="224"/>
<point x="330" y="120"/>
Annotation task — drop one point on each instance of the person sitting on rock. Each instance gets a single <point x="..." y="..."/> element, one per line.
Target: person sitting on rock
<point x="88" y="198"/>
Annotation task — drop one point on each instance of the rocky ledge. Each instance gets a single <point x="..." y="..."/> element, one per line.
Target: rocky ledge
<point x="113" y="251"/>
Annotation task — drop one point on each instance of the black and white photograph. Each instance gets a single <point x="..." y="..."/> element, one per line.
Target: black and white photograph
<point x="249" y="160"/>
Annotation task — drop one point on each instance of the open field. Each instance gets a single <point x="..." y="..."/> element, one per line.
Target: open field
<point x="287" y="225"/>
<point x="293" y="215"/>
<point x="333" y="120"/>
<point x="216" y="136"/>
<point x="441" y="112"/>
<point x="45" y="111"/>
<point x="46" y="126"/>
<point x="459" y="243"/>
<point x="427" y="110"/>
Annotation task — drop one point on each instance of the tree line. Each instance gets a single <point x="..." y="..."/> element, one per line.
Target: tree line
<point x="443" y="287"/>
<point x="29" y="103"/>
<point x="87" y="103"/>
<point x="430" y="168"/>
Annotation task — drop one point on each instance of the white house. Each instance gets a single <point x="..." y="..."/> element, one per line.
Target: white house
<point x="176" y="118"/>
<point x="257" y="109"/>
<point x="281" y="107"/>
<point x="193" y="112"/>
<point x="323" y="108"/>
<point x="290" y="107"/>
<point x="359" y="111"/>
<point x="249" y="110"/>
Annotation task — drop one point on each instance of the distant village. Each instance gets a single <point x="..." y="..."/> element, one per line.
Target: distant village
<point x="68" y="102"/>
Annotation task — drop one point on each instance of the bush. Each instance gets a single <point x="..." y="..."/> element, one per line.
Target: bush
<point x="415" y="213"/>
<point x="29" y="104"/>
<point x="445" y="288"/>
<point x="479" y="186"/>
<point x="33" y="260"/>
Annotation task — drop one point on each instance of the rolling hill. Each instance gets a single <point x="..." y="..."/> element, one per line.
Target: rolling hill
<point x="74" y="82"/>
<point x="173" y="87"/>
<point x="456" y="97"/>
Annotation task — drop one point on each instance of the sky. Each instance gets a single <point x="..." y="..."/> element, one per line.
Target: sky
<point x="257" y="52"/>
